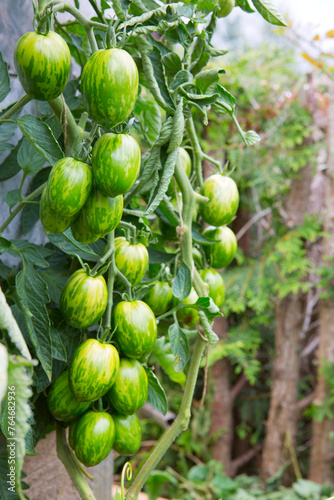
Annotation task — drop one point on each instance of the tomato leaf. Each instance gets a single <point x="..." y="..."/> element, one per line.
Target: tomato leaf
<point x="40" y="137"/>
<point x="58" y="348"/>
<point x="269" y="12"/>
<point x="245" y="6"/>
<point x="208" y="78"/>
<point x="182" y="284"/>
<point x="207" y="326"/>
<point x="207" y="305"/>
<point x="179" y="346"/>
<point x="12" y="198"/>
<point x="156" y="394"/>
<point x="178" y="128"/>
<point x="30" y="160"/>
<point x="158" y="257"/>
<point x="67" y="244"/>
<point x="172" y="63"/>
<point x="227" y="98"/>
<point x="10" y="167"/>
<point x="180" y="78"/>
<point x="4" y="79"/>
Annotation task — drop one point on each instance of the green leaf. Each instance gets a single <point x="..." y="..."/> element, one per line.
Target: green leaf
<point x="5" y="146"/>
<point x="179" y="346"/>
<point x="208" y="78"/>
<point x="207" y="326"/>
<point x="117" y="5"/>
<point x="55" y="278"/>
<point x="30" y="211"/>
<point x="199" y="56"/>
<point x="201" y="238"/>
<point x="155" y="58"/>
<point x="183" y="76"/>
<point x="67" y="244"/>
<point x="165" y="132"/>
<point x="12" y="198"/>
<point x="182" y="283"/>
<point x="29" y="159"/>
<point x="178" y="128"/>
<point x="209" y="307"/>
<point x="163" y="354"/>
<point x="10" y="167"/>
<point x="269" y="12"/>
<point x="4" y="79"/>
<point x="19" y="382"/>
<point x="156" y="394"/>
<point x="172" y="63"/>
<point x="201" y="99"/>
<point x="8" y="323"/>
<point x="40" y="137"/>
<point x="58" y="348"/>
<point x="3" y="371"/>
<point x="33" y="297"/>
<point x="244" y="5"/>
<point x="117" y="496"/>
<point x="226" y="97"/>
<point x="158" y="257"/>
<point x="7" y="131"/>
<point x="25" y="250"/>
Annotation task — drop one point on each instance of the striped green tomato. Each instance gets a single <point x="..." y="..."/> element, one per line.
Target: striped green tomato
<point x="128" y="434"/>
<point x="43" y="64"/>
<point x="135" y="328"/>
<point x="189" y="316"/>
<point x="80" y="230"/>
<point x="221" y="253"/>
<point x="102" y="213"/>
<point x="109" y="85"/>
<point x="184" y="161"/>
<point x="84" y="299"/>
<point x="93" y="370"/>
<point x="131" y="259"/>
<point x="223" y="200"/>
<point x="116" y="163"/>
<point x="69" y="185"/>
<point x="62" y="403"/>
<point x="130" y="389"/>
<point x="51" y="220"/>
<point x="216" y="285"/>
<point x="225" y="7"/>
<point x="94" y="437"/>
<point x="159" y="298"/>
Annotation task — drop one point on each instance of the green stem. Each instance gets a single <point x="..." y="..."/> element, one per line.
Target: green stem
<point x="97" y="10"/>
<point x="196" y="149"/>
<point x="65" y="455"/>
<point x="19" y="207"/>
<point x="111" y="279"/>
<point x="168" y="313"/>
<point x="125" y="281"/>
<point x="129" y="226"/>
<point x="72" y="132"/>
<point x="16" y="107"/>
<point x="180" y="424"/>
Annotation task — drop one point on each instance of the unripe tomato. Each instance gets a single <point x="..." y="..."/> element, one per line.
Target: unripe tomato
<point x="43" y="64"/>
<point x="130" y="389"/>
<point x="223" y="200"/>
<point x="135" y="328"/>
<point x="216" y="285"/>
<point x="109" y="85"/>
<point x="69" y="185"/>
<point x="102" y="213"/>
<point x="51" y="220"/>
<point x="197" y="256"/>
<point x="116" y="163"/>
<point x="93" y="370"/>
<point x="94" y="437"/>
<point x="84" y="299"/>
<point x="225" y="7"/>
<point x="184" y="161"/>
<point x="221" y="253"/>
<point x="189" y="316"/>
<point x="159" y="298"/>
<point x="128" y="434"/>
<point x="131" y="259"/>
<point x="62" y="402"/>
<point x="80" y="230"/>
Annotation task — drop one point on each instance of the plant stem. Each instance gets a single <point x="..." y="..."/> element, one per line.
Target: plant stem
<point x="98" y="12"/>
<point x="196" y="149"/>
<point x="65" y="455"/>
<point x="129" y="226"/>
<point x="180" y="424"/>
<point x="15" y="108"/>
<point x="72" y="132"/>
<point x="19" y="207"/>
<point x="111" y="279"/>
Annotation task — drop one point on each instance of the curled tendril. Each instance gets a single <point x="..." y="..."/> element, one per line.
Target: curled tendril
<point x="128" y="470"/>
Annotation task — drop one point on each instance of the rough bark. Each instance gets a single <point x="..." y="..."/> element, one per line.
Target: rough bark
<point x="322" y="449"/>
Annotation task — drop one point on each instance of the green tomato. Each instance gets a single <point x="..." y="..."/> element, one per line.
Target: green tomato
<point x="216" y="285"/>
<point x="93" y="370"/>
<point x="159" y="297"/>
<point x="51" y="220"/>
<point x="131" y="259"/>
<point x="84" y="299"/>
<point x="135" y="328"/>
<point x="221" y="253"/>
<point x="197" y="256"/>
<point x="225" y="7"/>
<point x="109" y="85"/>
<point x="42" y="64"/>
<point x="62" y="402"/>
<point x="189" y="316"/>
<point x="80" y="230"/>
<point x="184" y="161"/>
<point x="102" y="213"/>
<point x="69" y="185"/>
<point x="116" y="163"/>
<point x="223" y="200"/>
<point x="128" y="434"/>
<point x="130" y="389"/>
<point x="94" y="437"/>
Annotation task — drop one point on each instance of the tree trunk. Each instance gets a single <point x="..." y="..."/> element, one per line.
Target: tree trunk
<point x="322" y="449"/>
